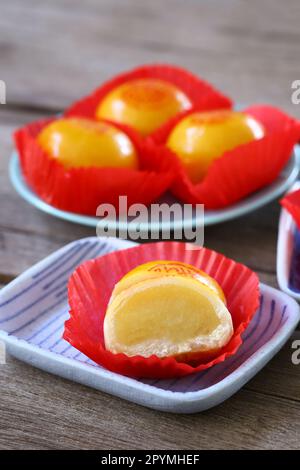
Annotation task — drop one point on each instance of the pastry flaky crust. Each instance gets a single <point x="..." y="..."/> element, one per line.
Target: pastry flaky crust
<point x="199" y="346"/>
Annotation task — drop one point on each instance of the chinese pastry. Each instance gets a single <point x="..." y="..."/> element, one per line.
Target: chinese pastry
<point x="167" y="308"/>
<point x="77" y="142"/>
<point x="144" y="104"/>
<point x="200" y="138"/>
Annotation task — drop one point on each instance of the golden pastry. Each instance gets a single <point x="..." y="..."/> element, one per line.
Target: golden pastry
<point x="167" y="308"/>
<point x="77" y="142"/>
<point x="200" y="138"/>
<point x="144" y="104"/>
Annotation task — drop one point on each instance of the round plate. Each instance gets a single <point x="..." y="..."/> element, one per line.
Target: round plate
<point x="256" y="200"/>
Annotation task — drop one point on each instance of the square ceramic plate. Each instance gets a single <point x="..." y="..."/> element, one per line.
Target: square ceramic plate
<point x="33" y="309"/>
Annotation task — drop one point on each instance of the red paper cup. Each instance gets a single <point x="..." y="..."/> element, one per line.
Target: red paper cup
<point x="291" y="202"/>
<point x="201" y="94"/>
<point x="91" y="285"/>
<point x="81" y="190"/>
<point x="241" y="171"/>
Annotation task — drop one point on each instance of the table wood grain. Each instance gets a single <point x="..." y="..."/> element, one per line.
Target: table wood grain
<point x="50" y="54"/>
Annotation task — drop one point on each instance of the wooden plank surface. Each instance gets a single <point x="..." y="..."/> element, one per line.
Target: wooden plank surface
<point x="55" y="51"/>
<point x="50" y="54"/>
<point x="40" y="411"/>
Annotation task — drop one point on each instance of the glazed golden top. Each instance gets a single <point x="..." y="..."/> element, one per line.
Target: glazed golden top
<point x="159" y="268"/>
<point x="144" y="104"/>
<point x="77" y="142"/>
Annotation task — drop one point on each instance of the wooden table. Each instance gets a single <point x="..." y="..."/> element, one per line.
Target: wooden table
<point x="50" y="54"/>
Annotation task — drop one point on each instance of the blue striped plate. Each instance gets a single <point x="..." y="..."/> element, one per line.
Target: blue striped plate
<point x="288" y="252"/>
<point x="34" y="306"/>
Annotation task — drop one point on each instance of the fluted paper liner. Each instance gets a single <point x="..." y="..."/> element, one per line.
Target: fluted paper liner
<point x="239" y="172"/>
<point x="291" y="202"/>
<point x="91" y="285"/>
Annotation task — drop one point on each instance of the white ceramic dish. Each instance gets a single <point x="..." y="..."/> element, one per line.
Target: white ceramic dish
<point x="249" y="204"/>
<point x="288" y="247"/>
<point x="33" y="309"/>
